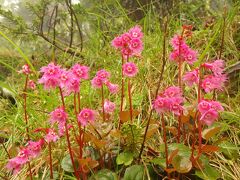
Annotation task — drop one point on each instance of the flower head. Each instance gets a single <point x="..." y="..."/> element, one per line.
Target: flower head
<point x="136" y="45"/>
<point x="217" y="67"/>
<point x="109" y="107"/>
<point x="31" y="84"/>
<point x="130" y="69"/>
<point x="14" y="165"/>
<point x="191" y="77"/>
<point x="117" y="42"/>
<point x="51" y="76"/>
<point x="85" y="116"/>
<point x="113" y="88"/>
<point x="136" y="32"/>
<point x="51" y="136"/>
<point x="59" y="116"/>
<point x="80" y="72"/>
<point x="97" y="82"/>
<point x="25" y="69"/>
<point x="161" y="104"/>
<point x="103" y="75"/>
<point x="209" y="117"/>
<point x="35" y="147"/>
<point x="173" y="91"/>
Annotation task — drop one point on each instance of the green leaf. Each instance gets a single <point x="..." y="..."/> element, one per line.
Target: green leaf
<point x="135" y="172"/>
<point x="182" y="164"/>
<point x="67" y="164"/>
<point x="159" y="161"/>
<point x="104" y="174"/>
<point x="183" y="150"/>
<point x="208" y="173"/>
<point x="125" y="158"/>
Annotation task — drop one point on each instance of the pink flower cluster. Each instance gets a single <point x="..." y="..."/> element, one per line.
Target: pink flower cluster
<point x="101" y="78"/>
<point x="181" y="51"/>
<point x="209" y="111"/>
<point x="129" y="43"/>
<point x="86" y="115"/>
<point x="109" y="106"/>
<point x="25" y="70"/>
<point x="216" y="79"/>
<point x="68" y="80"/>
<point x="129" y="69"/>
<point x="32" y="150"/>
<point x="171" y="100"/>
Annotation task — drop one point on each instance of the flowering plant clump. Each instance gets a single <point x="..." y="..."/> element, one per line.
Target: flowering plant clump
<point x="89" y="134"/>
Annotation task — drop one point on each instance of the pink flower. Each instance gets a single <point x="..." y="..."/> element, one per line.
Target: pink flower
<point x="113" y="88"/>
<point x="217" y="67"/>
<point x="97" y="82"/>
<point x="216" y="106"/>
<point x="191" y="77"/>
<point x="161" y="104"/>
<point x="51" y="76"/>
<point x="59" y="116"/>
<point x="204" y="106"/>
<point x="177" y="41"/>
<point x="175" y="105"/>
<point x="51" y="136"/>
<point x="73" y="85"/>
<point x="35" y="147"/>
<point x="23" y="156"/>
<point x="190" y="56"/>
<point x="80" y="72"/>
<point x="25" y="69"/>
<point x="136" y="45"/>
<point x="136" y="32"/>
<point x="31" y="84"/>
<point x="126" y="38"/>
<point x="117" y="42"/>
<point x="109" y="106"/>
<point x="209" y="117"/>
<point x="13" y="165"/>
<point x="130" y="69"/>
<point x="65" y="78"/>
<point x="173" y="91"/>
<point x="127" y="52"/>
<point x="103" y="75"/>
<point x="85" y="116"/>
<point x="213" y="82"/>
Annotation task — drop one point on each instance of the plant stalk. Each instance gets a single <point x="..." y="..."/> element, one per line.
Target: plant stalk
<point x="50" y="160"/>
<point x="25" y="106"/>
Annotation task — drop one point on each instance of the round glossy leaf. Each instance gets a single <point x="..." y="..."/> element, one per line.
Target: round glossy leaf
<point x="182" y="164"/>
<point x="104" y="174"/>
<point x="135" y="172"/>
<point x="125" y="158"/>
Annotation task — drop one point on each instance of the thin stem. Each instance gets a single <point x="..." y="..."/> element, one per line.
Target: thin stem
<point x="165" y="142"/>
<point x="4" y="147"/>
<point x="198" y="117"/>
<point x="25" y="107"/>
<point x="79" y="101"/>
<point x="68" y="138"/>
<point x="122" y="94"/>
<point x="79" y="126"/>
<point x="30" y="170"/>
<point x="50" y="160"/>
<point x="103" y="110"/>
<point x="158" y="87"/>
<point x="130" y="100"/>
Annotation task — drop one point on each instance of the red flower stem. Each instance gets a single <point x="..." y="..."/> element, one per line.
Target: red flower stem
<point x="30" y="170"/>
<point x="130" y="100"/>
<point x="165" y="141"/>
<point x="180" y="86"/>
<point x="122" y="94"/>
<point x="68" y="138"/>
<point x="25" y="106"/>
<point x="198" y="117"/>
<point x="79" y="100"/>
<point x="50" y="160"/>
<point x="103" y="110"/>
<point x="79" y="126"/>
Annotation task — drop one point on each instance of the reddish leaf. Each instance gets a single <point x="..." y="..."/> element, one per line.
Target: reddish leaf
<point x="125" y="115"/>
<point x="173" y="130"/>
<point x="209" y="148"/>
<point x="208" y="133"/>
<point x="172" y="155"/>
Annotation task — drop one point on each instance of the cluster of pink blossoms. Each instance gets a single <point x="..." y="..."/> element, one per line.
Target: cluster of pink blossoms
<point x="129" y="43"/>
<point x="109" y="107"/>
<point x="209" y="111"/>
<point x="181" y="51"/>
<point x="86" y="115"/>
<point x="102" y="78"/>
<point x="210" y="82"/>
<point x="68" y="80"/>
<point x="27" y="153"/>
<point x="170" y="100"/>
